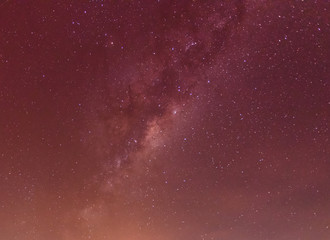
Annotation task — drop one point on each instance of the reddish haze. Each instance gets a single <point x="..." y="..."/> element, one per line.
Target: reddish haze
<point x="164" y="120"/>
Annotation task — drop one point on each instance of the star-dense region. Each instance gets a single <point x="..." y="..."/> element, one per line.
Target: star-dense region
<point x="165" y="120"/>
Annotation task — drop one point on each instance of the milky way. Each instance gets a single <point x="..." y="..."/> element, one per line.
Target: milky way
<point x="164" y="120"/>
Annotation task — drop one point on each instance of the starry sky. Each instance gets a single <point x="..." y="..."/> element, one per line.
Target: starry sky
<point x="164" y="120"/>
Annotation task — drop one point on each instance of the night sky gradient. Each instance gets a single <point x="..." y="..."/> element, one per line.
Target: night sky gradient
<point x="165" y="120"/>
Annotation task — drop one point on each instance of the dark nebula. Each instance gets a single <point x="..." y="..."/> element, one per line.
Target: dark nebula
<point x="164" y="120"/>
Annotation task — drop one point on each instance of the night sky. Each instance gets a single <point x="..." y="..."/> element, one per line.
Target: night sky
<point x="165" y="120"/>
